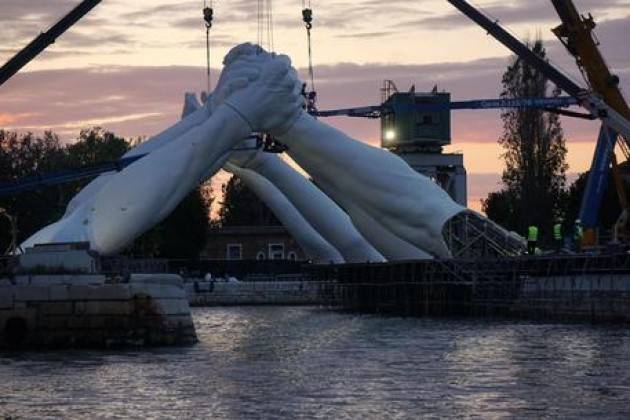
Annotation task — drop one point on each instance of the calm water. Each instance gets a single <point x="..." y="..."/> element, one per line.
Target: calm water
<point x="277" y="362"/>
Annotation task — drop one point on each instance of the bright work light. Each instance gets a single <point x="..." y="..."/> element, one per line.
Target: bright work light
<point x="390" y="135"/>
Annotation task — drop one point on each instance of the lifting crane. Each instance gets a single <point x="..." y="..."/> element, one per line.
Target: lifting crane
<point x="43" y="40"/>
<point x="576" y="34"/>
<point x="604" y="101"/>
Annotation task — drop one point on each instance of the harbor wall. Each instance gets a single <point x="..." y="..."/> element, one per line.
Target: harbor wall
<point x="594" y="297"/>
<point x="283" y="292"/>
<point x="573" y="288"/>
<point x="91" y="311"/>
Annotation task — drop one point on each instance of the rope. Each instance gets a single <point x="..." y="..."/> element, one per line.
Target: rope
<point x="307" y="17"/>
<point x="265" y="24"/>
<point x="208" y="16"/>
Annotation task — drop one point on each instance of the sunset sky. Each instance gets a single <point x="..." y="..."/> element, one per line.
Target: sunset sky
<point x="126" y="66"/>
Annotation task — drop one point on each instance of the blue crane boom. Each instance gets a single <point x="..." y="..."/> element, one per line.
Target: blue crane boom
<point x="376" y="111"/>
<point x="62" y="177"/>
<point x="575" y="34"/>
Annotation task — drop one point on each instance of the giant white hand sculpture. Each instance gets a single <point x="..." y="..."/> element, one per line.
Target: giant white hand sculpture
<point x="382" y="185"/>
<point x="322" y="213"/>
<point x="312" y="243"/>
<point x="377" y="183"/>
<point x="130" y="202"/>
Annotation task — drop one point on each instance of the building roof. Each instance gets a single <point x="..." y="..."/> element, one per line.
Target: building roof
<point x="248" y="230"/>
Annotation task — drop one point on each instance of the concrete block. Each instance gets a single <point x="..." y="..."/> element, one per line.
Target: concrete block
<point x="56" y="308"/>
<point x="107" y="308"/>
<point x="103" y="292"/>
<point x="159" y="278"/>
<point x="79" y="279"/>
<point x="59" y="292"/>
<point x="31" y="293"/>
<point x="112" y="292"/>
<point x="157" y="291"/>
<point x="6" y="297"/>
<point x="171" y="306"/>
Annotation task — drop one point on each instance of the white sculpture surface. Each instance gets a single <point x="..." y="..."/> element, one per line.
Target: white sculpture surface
<point x="311" y="242"/>
<point x="117" y="208"/>
<point x="371" y="184"/>
<point x="318" y="210"/>
<point x="397" y="211"/>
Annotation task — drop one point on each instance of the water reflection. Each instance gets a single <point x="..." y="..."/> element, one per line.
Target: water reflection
<point x="278" y="362"/>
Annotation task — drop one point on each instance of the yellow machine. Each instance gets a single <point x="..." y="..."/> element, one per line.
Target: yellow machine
<point x="576" y="33"/>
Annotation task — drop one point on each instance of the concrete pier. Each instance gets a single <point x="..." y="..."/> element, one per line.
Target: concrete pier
<point x="59" y="296"/>
<point x="90" y="311"/>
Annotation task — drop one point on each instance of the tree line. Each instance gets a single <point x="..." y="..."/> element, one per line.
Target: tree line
<point x="534" y="184"/>
<point x="182" y="234"/>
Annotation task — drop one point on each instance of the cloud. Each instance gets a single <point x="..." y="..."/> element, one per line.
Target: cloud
<point x="22" y="21"/>
<point x="516" y="12"/>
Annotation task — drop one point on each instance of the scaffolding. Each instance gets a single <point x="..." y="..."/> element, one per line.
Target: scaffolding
<point x="469" y="235"/>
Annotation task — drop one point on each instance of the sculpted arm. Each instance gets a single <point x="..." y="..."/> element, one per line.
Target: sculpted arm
<point x="313" y="244"/>
<point x="326" y="217"/>
<point x="382" y="185"/>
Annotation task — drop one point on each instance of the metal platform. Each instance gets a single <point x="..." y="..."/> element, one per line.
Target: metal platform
<point x="469" y="235"/>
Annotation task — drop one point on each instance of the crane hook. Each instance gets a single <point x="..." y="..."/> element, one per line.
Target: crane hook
<point x="208" y="15"/>
<point x="307" y="17"/>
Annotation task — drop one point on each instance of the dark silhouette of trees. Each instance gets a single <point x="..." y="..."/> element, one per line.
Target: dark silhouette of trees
<point x="182" y="234"/>
<point x="534" y="155"/>
<point x="241" y="207"/>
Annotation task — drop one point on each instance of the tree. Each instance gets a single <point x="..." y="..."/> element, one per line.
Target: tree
<point x="609" y="209"/>
<point x="25" y="155"/>
<point x="182" y="234"/>
<point x="534" y="152"/>
<point x="241" y="207"/>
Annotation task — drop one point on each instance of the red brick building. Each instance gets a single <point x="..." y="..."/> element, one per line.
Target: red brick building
<point x="252" y="243"/>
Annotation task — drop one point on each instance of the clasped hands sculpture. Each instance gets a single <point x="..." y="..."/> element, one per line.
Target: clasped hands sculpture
<point x="361" y="204"/>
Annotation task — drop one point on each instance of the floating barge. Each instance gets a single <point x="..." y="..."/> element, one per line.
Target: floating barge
<point x="578" y="287"/>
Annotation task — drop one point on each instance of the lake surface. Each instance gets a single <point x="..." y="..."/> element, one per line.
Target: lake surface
<point x="287" y="362"/>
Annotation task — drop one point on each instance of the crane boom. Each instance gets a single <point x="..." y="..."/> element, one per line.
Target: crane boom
<point x="518" y="48"/>
<point x="43" y="40"/>
<point x="375" y="111"/>
<point x="576" y="33"/>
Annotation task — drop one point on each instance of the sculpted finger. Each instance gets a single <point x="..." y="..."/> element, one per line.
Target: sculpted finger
<point x="241" y="50"/>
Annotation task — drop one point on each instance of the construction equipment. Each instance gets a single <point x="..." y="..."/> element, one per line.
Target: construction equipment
<point x="39" y="44"/>
<point x="576" y="34"/>
<point x="208" y="16"/>
<point x="604" y="101"/>
<point x="309" y="95"/>
<point x="61" y="177"/>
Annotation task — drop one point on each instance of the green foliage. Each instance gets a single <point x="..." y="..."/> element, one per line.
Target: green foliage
<point x="183" y="233"/>
<point x="534" y="152"/>
<point x="610" y="208"/>
<point x="241" y="207"/>
<point x="24" y="156"/>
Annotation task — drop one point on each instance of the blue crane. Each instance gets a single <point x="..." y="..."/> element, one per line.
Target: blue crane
<point x="377" y="111"/>
<point x="605" y="102"/>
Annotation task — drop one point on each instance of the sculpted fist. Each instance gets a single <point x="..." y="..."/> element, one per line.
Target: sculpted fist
<point x="261" y="87"/>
